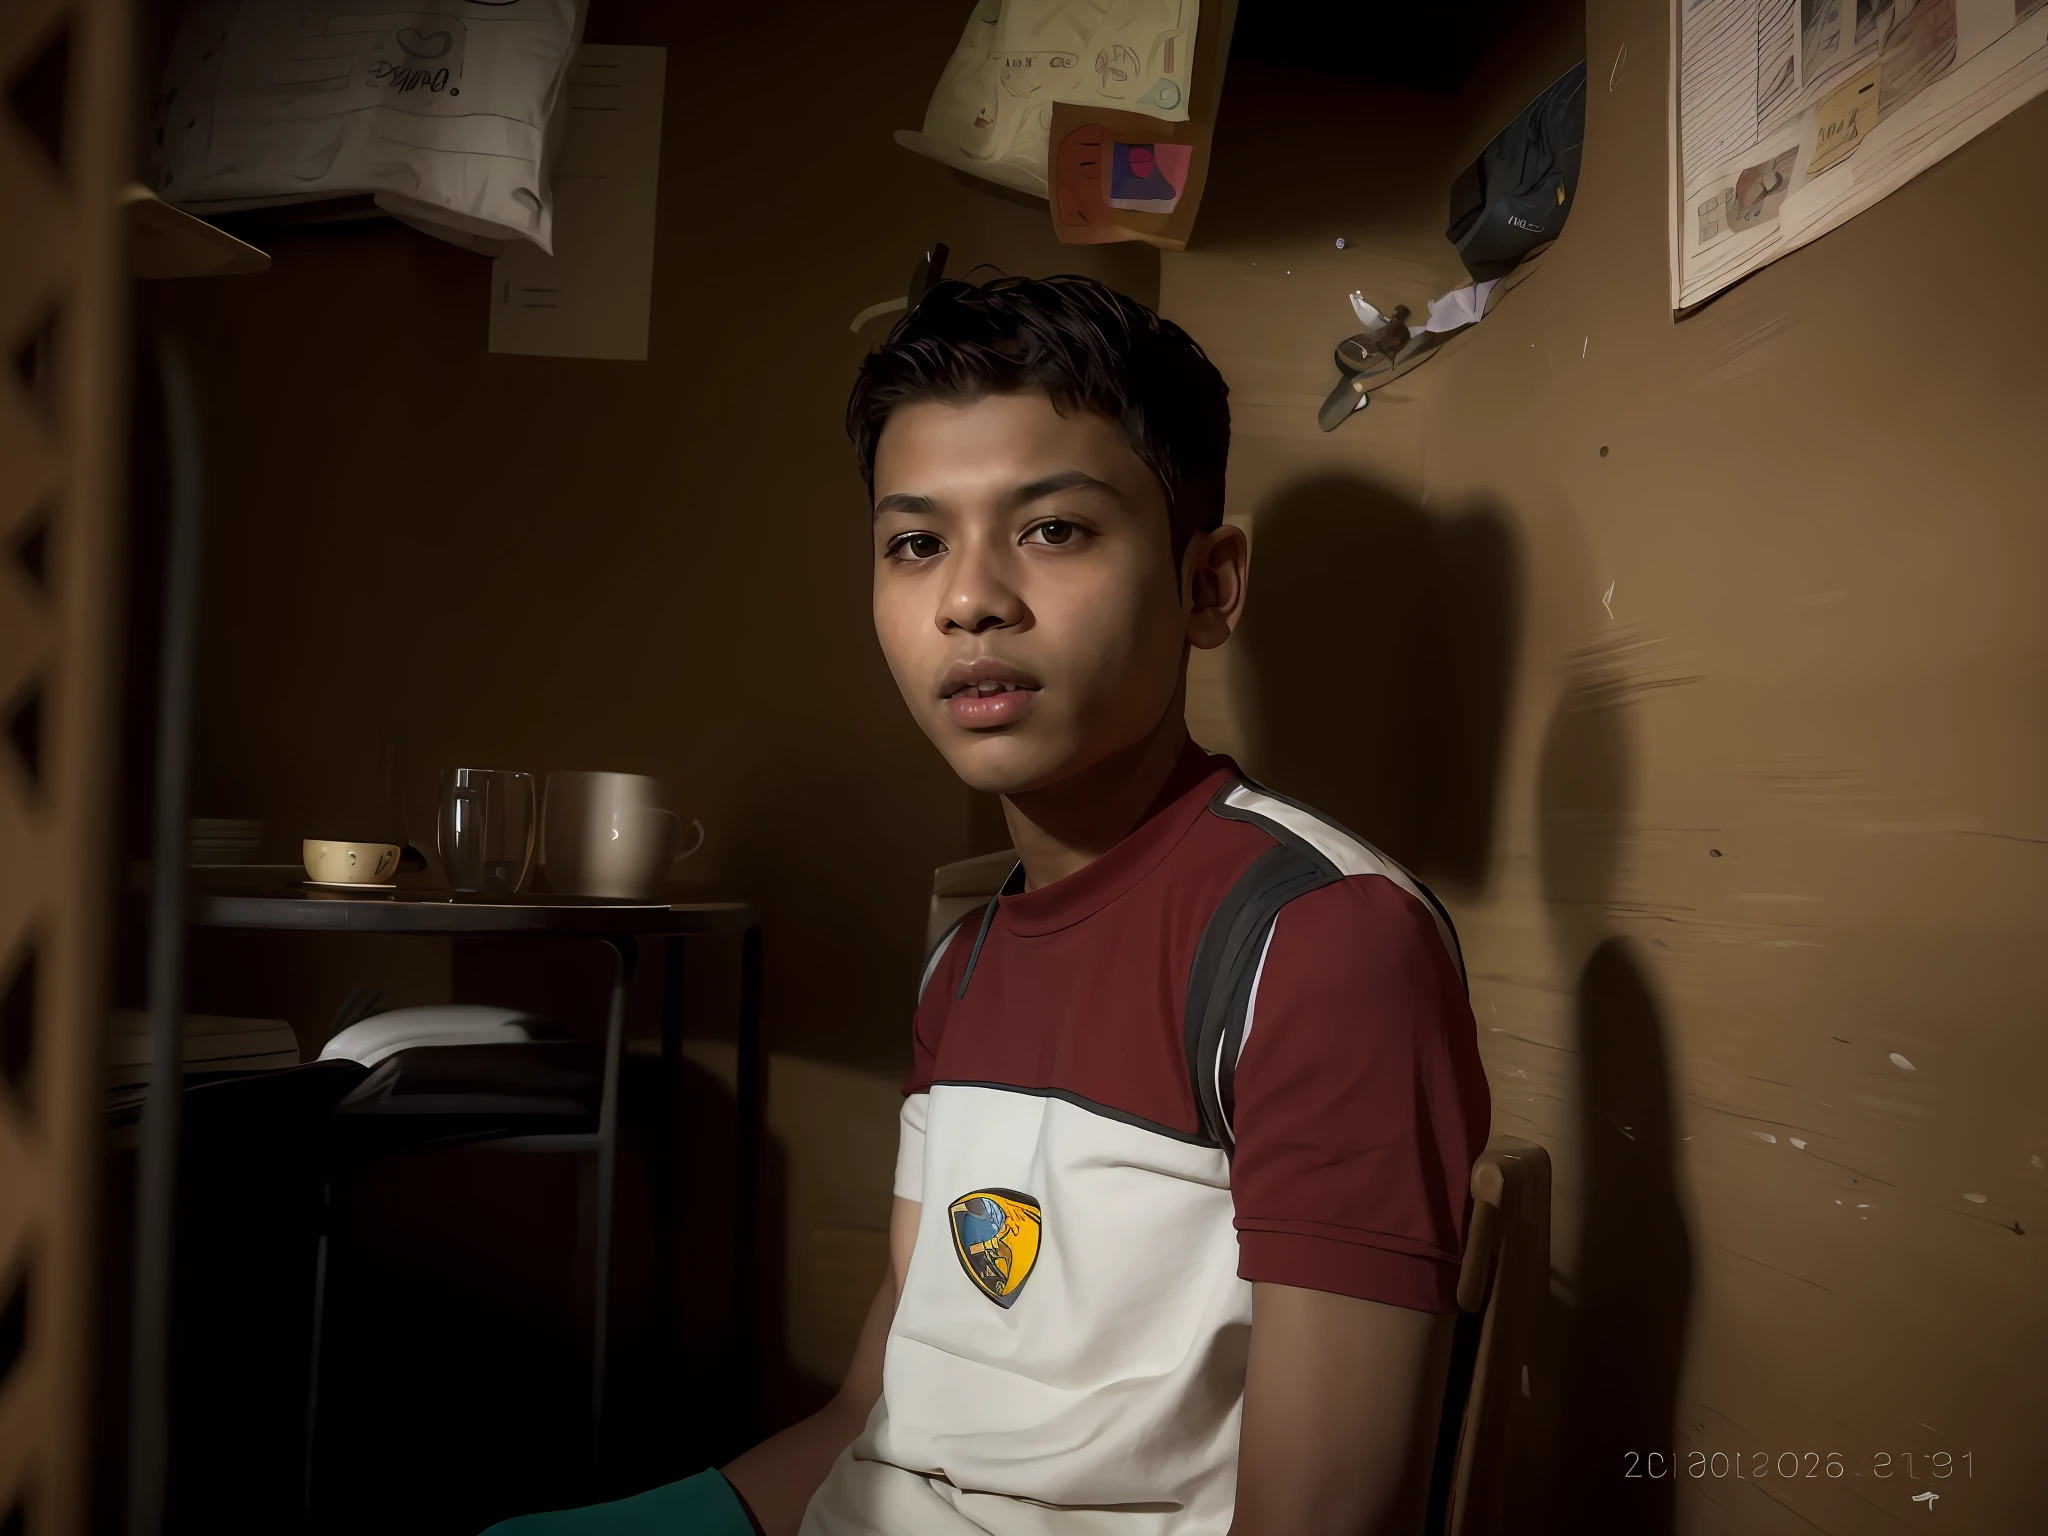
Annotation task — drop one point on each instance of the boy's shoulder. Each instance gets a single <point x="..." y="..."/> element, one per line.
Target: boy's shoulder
<point x="1134" y="985"/>
<point x="1214" y="866"/>
<point x="1310" y="851"/>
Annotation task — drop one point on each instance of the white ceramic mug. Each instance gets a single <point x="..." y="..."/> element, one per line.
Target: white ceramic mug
<point x="608" y="834"/>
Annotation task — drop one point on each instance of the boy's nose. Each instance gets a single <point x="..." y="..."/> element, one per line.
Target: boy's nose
<point x="978" y="599"/>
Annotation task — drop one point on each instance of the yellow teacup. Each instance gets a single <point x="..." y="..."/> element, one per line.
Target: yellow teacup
<point x="334" y="863"/>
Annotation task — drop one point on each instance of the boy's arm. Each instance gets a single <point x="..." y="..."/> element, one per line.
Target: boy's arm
<point x="1360" y="1105"/>
<point x="777" y="1478"/>
<point x="1341" y="1398"/>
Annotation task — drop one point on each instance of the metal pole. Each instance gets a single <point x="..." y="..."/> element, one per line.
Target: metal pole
<point x="313" y="1365"/>
<point x="157" y="1182"/>
<point x="752" y="1104"/>
<point x="666" y="1175"/>
<point x="607" y="1165"/>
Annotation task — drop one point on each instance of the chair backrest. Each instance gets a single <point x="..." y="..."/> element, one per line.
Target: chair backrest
<point x="958" y="889"/>
<point x="1501" y="1288"/>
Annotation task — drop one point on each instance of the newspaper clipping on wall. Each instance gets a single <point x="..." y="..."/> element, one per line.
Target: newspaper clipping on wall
<point x="1793" y="116"/>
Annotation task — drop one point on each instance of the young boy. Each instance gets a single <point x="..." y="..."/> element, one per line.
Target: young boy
<point x="1125" y="1297"/>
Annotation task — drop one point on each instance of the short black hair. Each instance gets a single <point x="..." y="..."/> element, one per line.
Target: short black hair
<point x="1089" y="348"/>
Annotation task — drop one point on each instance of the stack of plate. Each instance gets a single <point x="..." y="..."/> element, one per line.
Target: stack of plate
<point x="221" y="840"/>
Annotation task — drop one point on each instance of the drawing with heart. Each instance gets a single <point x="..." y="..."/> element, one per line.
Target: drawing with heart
<point x="430" y="46"/>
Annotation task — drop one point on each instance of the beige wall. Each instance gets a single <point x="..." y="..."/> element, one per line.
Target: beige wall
<point x="659" y="567"/>
<point x="1714" y="859"/>
<point x="1721" y="861"/>
<point x="424" y="555"/>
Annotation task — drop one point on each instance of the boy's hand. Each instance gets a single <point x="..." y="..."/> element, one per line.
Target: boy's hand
<point x="1341" y="1399"/>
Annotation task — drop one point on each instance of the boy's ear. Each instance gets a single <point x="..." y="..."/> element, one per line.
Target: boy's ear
<point x="1213" y="574"/>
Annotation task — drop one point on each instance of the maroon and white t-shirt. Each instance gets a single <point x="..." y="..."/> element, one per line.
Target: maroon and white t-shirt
<point x="1068" y="1352"/>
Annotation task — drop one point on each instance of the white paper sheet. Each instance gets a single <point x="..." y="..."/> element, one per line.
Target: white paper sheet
<point x="594" y="296"/>
<point x="1453" y="312"/>
<point x="1133" y="55"/>
<point x="1791" y="117"/>
<point x="991" y="113"/>
<point x="1460" y="307"/>
<point x="445" y="109"/>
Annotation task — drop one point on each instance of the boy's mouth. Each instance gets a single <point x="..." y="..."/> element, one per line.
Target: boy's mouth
<point x="986" y="693"/>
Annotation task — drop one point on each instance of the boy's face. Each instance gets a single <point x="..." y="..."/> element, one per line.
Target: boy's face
<point x="1025" y="594"/>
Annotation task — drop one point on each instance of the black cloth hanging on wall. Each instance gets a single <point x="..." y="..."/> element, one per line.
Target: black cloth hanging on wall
<point x="1518" y="193"/>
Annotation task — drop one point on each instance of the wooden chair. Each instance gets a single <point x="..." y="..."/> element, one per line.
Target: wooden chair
<point x="1501" y="1287"/>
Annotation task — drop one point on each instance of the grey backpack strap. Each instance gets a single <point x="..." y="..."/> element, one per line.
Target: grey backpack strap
<point x="1225" y="969"/>
<point x="931" y="961"/>
<point x="1013" y="882"/>
<point x="1308" y="853"/>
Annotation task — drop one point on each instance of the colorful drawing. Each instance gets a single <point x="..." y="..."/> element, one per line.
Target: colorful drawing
<point x="1848" y="112"/>
<point x="1148" y="177"/>
<point x="996" y="1236"/>
<point x="1077" y="178"/>
<point x="1758" y="191"/>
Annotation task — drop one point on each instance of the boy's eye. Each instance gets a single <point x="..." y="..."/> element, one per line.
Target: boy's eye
<point x="915" y="546"/>
<point x="1051" y="531"/>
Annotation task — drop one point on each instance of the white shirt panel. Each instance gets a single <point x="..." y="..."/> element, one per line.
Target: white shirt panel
<point x="910" y="1148"/>
<point x="1113" y="1382"/>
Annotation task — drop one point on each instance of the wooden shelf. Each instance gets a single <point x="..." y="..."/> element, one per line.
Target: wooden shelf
<point x="164" y="241"/>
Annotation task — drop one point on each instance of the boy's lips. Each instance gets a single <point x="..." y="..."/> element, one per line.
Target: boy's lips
<point x="986" y="693"/>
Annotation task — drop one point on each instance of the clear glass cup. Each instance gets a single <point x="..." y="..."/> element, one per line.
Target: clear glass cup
<point x="486" y="828"/>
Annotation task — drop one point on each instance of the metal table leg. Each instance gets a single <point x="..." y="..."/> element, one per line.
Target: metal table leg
<point x="607" y="1169"/>
<point x="746" y="1194"/>
<point x="665" y="1175"/>
<point x="319" y="1332"/>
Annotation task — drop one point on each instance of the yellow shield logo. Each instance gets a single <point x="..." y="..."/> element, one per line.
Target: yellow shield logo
<point x="996" y="1234"/>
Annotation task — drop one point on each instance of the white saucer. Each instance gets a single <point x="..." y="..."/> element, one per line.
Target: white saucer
<point x="346" y="885"/>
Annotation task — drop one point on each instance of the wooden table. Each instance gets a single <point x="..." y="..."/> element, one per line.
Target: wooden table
<point x="623" y="927"/>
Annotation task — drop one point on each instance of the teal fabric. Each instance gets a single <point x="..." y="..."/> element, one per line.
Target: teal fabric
<point x="704" y="1505"/>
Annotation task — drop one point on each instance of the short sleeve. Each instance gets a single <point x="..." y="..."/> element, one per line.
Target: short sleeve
<point x="1360" y="1102"/>
<point x="910" y="1148"/>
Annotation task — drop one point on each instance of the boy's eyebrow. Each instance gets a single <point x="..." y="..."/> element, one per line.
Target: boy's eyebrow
<point x="1023" y="495"/>
<point x="1064" y="480"/>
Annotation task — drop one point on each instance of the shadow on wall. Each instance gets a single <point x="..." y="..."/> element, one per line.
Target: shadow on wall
<point x="1378" y="646"/>
<point x="1612" y="1384"/>
<point x="1377" y="654"/>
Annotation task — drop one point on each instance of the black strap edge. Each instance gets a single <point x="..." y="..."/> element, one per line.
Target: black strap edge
<point x="1220" y="976"/>
<point x="1013" y="882"/>
<point x="1081" y="1101"/>
<point x="1288" y="835"/>
<point x="937" y="953"/>
<point x="1280" y="832"/>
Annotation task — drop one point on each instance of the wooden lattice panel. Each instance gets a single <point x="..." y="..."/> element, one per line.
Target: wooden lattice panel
<point x="63" y="145"/>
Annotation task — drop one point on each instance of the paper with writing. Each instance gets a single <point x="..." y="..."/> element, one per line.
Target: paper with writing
<point x="594" y="296"/>
<point x="1790" y="117"/>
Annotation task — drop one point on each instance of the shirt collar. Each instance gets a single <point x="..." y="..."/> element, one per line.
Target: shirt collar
<point x="1185" y="795"/>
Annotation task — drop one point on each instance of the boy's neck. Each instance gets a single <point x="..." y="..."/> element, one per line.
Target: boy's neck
<point x="1067" y="826"/>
